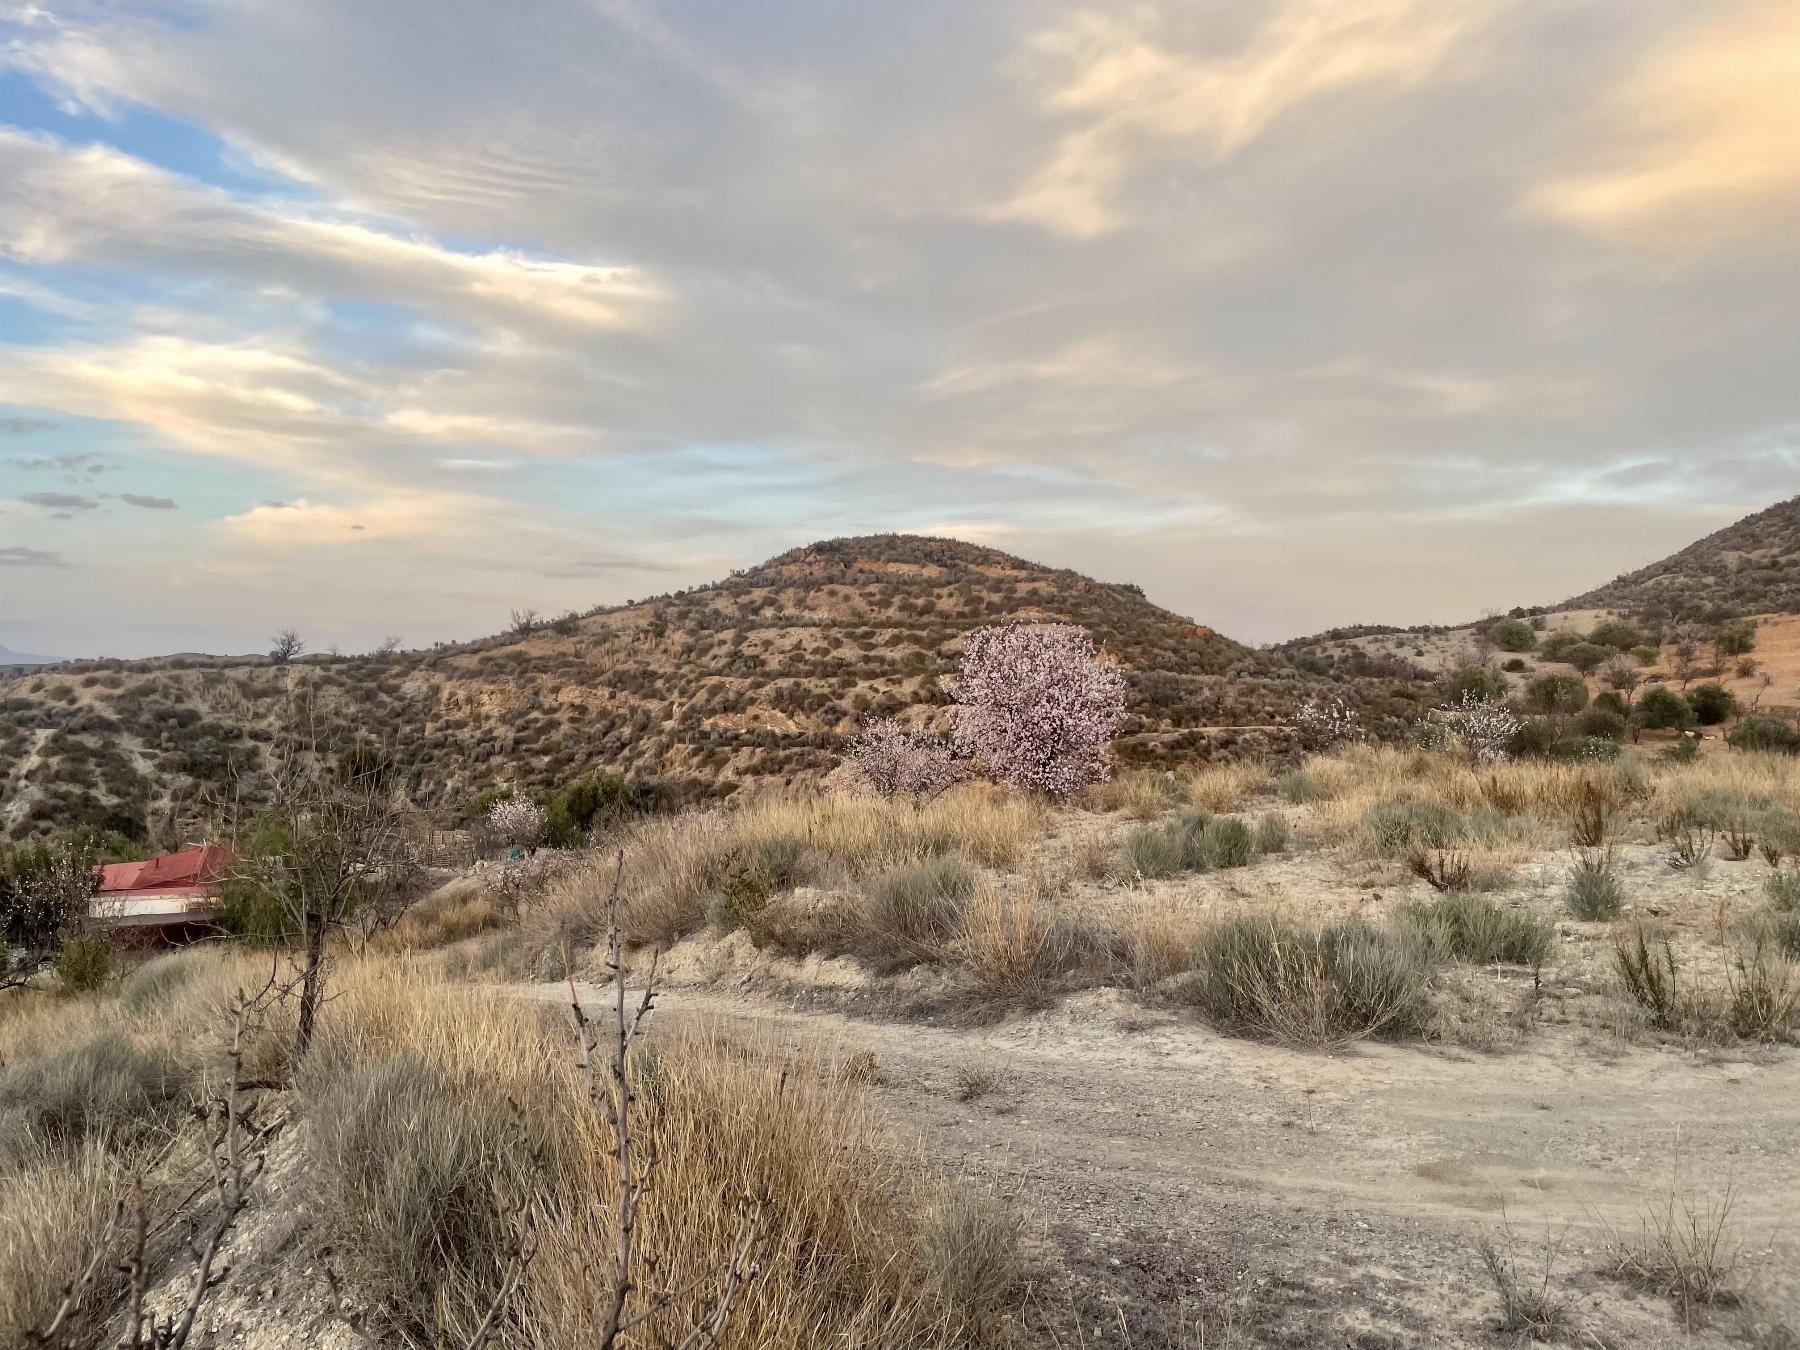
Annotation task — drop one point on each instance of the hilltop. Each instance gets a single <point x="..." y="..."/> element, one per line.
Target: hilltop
<point x="1750" y="569"/>
<point x="756" y="678"/>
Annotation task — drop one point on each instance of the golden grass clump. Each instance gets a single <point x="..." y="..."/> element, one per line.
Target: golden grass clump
<point x="1225" y="787"/>
<point x="735" y="1120"/>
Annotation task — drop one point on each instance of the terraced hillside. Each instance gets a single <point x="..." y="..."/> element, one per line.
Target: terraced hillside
<point x="757" y="677"/>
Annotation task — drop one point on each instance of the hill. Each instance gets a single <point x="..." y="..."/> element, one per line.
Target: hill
<point x="759" y="677"/>
<point x="8" y="657"/>
<point x="1752" y="567"/>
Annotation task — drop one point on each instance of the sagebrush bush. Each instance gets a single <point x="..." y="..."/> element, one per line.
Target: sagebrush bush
<point x="1271" y="834"/>
<point x="1398" y="829"/>
<point x="1469" y="927"/>
<point x="915" y="912"/>
<point x="1227" y="841"/>
<point x="107" y="1088"/>
<point x="1267" y="976"/>
<point x="1167" y="848"/>
<point x="1297" y="787"/>
<point x="1595" y="891"/>
<point x="1783" y="889"/>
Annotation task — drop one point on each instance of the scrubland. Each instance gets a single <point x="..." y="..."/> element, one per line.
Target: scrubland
<point x="1379" y="1048"/>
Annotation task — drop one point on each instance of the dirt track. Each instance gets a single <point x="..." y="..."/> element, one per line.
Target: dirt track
<point x="1174" y="1175"/>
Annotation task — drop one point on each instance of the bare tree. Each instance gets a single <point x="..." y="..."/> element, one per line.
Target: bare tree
<point x="524" y="623"/>
<point x="333" y="841"/>
<point x="1621" y="673"/>
<point x="285" y="646"/>
<point x="387" y="646"/>
<point x="636" y="1154"/>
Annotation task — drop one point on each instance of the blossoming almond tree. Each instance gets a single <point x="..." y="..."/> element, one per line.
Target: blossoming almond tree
<point x="892" y="761"/>
<point x="1037" y="706"/>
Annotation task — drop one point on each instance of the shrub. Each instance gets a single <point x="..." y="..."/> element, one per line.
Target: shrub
<point x="1599" y="723"/>
<point x="892" y="761"/>
<point x="1619" y="634"/>
<point x="1586" y="750"/>
<point x="1783" y="890"/>
<point x="751" y="874"/>
<point x="416" y="1184"/>
<point x="916" y="911"/>
<point x="1587" y="657"/>
<point x="1226" y="841"/>
<point x="1557" y="693"/>
<point x="1485" y="727"/>
<point x="1037" y="706"/>
<point x="85" y="962"/>
<point x="1398" y="829"/>
<point x="1612" y="701"/>
<point x="1165" y="849"/>
<point x="1298" y="787"/>
<point x="1473" y="683"/>
<point x="1646" y="655"/>
<point x="158" y="982"/>
<point x="1557" y="645"/>
<point x="1512" y="635"/>
<point x="106" y="1088"/>
<point x="1271" y="834"/>
<point x="1268" y="977"/>
<point x="1471" y="928"/>
<point x="1645" y="963"/>
<point x="1595" y="892"/>
<point x="1762" y="988"/>
<point x="1766" y="733"/>
<point x="1660" y="708"/>
<point x="1712" y="703"/>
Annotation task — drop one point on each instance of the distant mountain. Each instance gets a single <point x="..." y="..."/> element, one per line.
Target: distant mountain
<point x="8" y="657"/>
<point x="758" y="678"/>
<point x="1752" y="567"/>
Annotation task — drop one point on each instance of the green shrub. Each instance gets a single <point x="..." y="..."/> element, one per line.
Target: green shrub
<point x="253" y="913"/>
<point x="1271" y="834"/>
<point x="1684" y="751"/>
<point x="1536" y="738"/>
<point x="1587" y="657"/>
<point x="1595" y="891"/>
<point x="1586" y="750"/>
<point x="1269" y="977"/>
<point x="1712" y="703"/>
<point x="1168" y="847"/>
<point x="1612" y="701"/>
<point x="1557" y="693"/>
<point x="1556" y="646"/>
<point x="1602" y="724"/>
<point x="1297" y="787"/>
<point x="751" y="875"/>
<point x="1476" y="681"/>
<point x="85" y="962"/>
<point x="1767" y="733"/>
<point x="1660" y="708"/>
<point x="916" y="911"/>
<point x="1227" y="842"/>
<point x="1619" y="634"/>
<point x="1512" y="635"/>
<point x="1399" y="829"/>
<point x="1470" y="928"/>
<point x="1644" y="961"/>
<point x="1646" y="655"/>
<point x="1514" y="665"/>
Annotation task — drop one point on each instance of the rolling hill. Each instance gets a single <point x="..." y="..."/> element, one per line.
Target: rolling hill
<point x="757" y="678"/>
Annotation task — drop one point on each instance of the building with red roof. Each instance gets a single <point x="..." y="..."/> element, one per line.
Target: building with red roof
<point x="168" y="892"/>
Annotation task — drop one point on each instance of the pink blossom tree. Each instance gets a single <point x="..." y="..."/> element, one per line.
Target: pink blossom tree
<point x="1037" y="706"/>
<point x="891" y="761"/>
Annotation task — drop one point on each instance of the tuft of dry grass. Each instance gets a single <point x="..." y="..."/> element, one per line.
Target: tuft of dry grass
<point x="56" y="1206"/>
<point x="1015" y="944"/>
<point x="1142" y="794"/>
<point x="455" y="911"/>
<point x="1528" y="1308"/>
<point x="1685" y="1247"/>
<point x="1225" y="787"/>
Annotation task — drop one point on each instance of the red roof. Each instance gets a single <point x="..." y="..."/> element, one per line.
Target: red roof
<point x="190" y="869"/>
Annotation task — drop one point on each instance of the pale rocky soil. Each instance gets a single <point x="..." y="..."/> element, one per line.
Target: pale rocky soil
<point x="1176" y="1178"/>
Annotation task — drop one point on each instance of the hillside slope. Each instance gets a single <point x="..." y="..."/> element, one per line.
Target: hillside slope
<point x="758" y="677"/>
<point x="1751" y="567"/>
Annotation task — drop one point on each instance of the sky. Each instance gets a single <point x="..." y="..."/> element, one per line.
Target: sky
<point x="384" y="319"/>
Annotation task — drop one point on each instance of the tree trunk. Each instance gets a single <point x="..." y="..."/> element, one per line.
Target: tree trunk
<point x="310" y="981"/>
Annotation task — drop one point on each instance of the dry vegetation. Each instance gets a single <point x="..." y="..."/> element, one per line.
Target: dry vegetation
<point x="759" y="678"/>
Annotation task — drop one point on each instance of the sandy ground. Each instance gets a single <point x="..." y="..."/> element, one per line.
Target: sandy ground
<point x="1181" y="1182"/>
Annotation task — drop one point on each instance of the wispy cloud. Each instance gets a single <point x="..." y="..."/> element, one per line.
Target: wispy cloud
<point x="148" y="503"/>
<point x="16" y="556"/>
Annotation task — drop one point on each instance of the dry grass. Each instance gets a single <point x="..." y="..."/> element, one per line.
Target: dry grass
<point x="736" y="1121"/>
<point x="1225" y="787"/>
<point x="1685" y="1246"/>
<point x="457" y="910"/>
<point x="1016" y="944"/>
<point x="1142" y="794"/>
<point x="55" y="1206"/>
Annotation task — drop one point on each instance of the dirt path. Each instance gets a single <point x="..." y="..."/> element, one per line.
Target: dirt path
<point x="1318" y="1199"/>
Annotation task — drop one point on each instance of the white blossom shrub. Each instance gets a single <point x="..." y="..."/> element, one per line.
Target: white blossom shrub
<point x="1485" y="727"/>
<point x="891" y="761"/>
<point x="1037" y="706"/>
<point x="513" y="822"/>
<point x="1326" y="721"/>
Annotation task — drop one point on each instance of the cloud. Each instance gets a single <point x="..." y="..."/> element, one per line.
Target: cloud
<point x="1136" y="98"/>
<point x="1698" y="141"/>
<point x="148" y="503"/>
<point x="25" y="426"/>
<point x="15" y="556"/>
<point x="559" y="293"/>
<point x="64" y="504"/>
